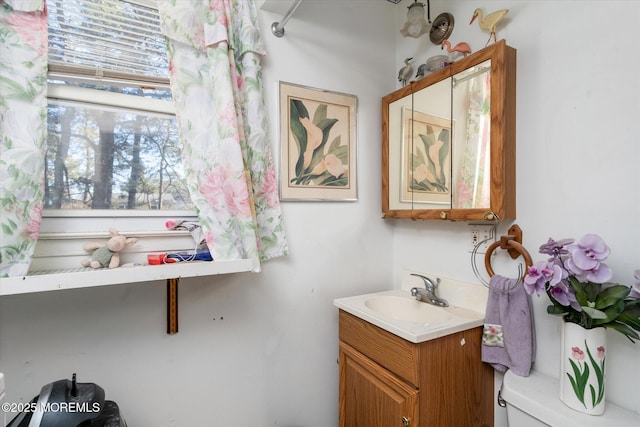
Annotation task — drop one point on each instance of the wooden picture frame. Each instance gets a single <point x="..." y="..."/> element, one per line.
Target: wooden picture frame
<point x="317" y="144"/>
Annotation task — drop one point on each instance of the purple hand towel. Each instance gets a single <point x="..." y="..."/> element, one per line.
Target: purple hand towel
<point x="509" y="340"/>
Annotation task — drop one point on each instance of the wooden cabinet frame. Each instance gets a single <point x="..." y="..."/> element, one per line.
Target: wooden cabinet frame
<point x="502" y="136"/>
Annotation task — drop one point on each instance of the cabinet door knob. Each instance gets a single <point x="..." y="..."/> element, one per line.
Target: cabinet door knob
<point x="443" y="215"/>
<point x="405" y="421"/>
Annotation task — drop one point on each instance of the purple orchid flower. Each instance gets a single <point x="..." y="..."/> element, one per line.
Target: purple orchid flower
<point x="583" y="260"/>
<point x="586" y="257"/>
<point x="564" y="295"/>
<point x="555" y="248"/>
<point x="541" y="273"/>
<point x="535" y="280"/>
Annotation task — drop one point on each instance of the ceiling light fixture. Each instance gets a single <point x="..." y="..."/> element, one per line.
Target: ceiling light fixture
<point x="416" y="25"/>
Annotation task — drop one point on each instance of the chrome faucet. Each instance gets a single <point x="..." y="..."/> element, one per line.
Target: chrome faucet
<point x="428" y="294"/>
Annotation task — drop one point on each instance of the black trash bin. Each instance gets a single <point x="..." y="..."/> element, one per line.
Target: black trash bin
<point x="68" y="403"/>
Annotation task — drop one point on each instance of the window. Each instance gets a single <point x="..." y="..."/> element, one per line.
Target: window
<point x="106" y="157"/>
<point x="112" y="135"/>
<point x="113" y="155"/>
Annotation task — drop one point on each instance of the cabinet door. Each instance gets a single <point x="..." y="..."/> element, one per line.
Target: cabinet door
<point x="371" y="396"/>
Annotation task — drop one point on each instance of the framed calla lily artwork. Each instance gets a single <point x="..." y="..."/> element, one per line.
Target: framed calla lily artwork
<point x="317" y="144"/>
<point x="426" y="153"/>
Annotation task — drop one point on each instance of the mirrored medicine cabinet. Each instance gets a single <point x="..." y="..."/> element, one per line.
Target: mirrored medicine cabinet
<point x="448" y="141"/>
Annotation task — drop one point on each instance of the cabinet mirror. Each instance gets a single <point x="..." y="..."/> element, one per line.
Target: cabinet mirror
<point x="449" y="141"/>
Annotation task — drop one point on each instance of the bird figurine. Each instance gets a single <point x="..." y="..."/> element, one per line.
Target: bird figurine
<point x="461" y="47"/>
<point x="421" y="70"/>
<point x="489" y="22"/>
<point x="405" y="72"/>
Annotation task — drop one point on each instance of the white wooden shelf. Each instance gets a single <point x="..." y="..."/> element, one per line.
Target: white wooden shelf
<point x="86" y="278"/>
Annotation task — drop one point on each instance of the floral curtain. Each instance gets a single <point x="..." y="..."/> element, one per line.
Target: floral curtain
<point x="473" y="188"/>
<point x="215" y="50"/>
<point x="23" y="119"/>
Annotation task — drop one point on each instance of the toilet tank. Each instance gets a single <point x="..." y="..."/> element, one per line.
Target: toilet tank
<point x="535" y="401"/>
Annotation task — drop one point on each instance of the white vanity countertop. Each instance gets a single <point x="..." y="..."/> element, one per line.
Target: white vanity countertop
<point x="396" y="311"/>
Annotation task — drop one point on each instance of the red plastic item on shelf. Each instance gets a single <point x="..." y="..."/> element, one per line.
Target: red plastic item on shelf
<point x="157" y="259"/>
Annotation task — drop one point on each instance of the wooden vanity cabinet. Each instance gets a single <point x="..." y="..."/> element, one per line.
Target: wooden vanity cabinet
<point x="386" y="381"/>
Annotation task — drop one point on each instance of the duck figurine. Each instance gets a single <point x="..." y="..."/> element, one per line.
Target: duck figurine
<point x="405" y="72"/>
<point x="489" y="22"/>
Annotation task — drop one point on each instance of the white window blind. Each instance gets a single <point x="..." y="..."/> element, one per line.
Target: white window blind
<point x="111" y="40"/>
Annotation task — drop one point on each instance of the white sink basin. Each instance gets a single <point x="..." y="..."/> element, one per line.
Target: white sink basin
<point x="398" y="312"/>
<point x="412" y="310"/>
<point x="408" y="310"/>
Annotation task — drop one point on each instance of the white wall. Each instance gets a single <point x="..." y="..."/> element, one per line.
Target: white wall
<point x="261" y="349"/>
<point x="578" y="109"/>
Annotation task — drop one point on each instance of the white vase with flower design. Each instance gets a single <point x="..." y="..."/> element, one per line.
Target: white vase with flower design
<point x="582" y="368"/>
